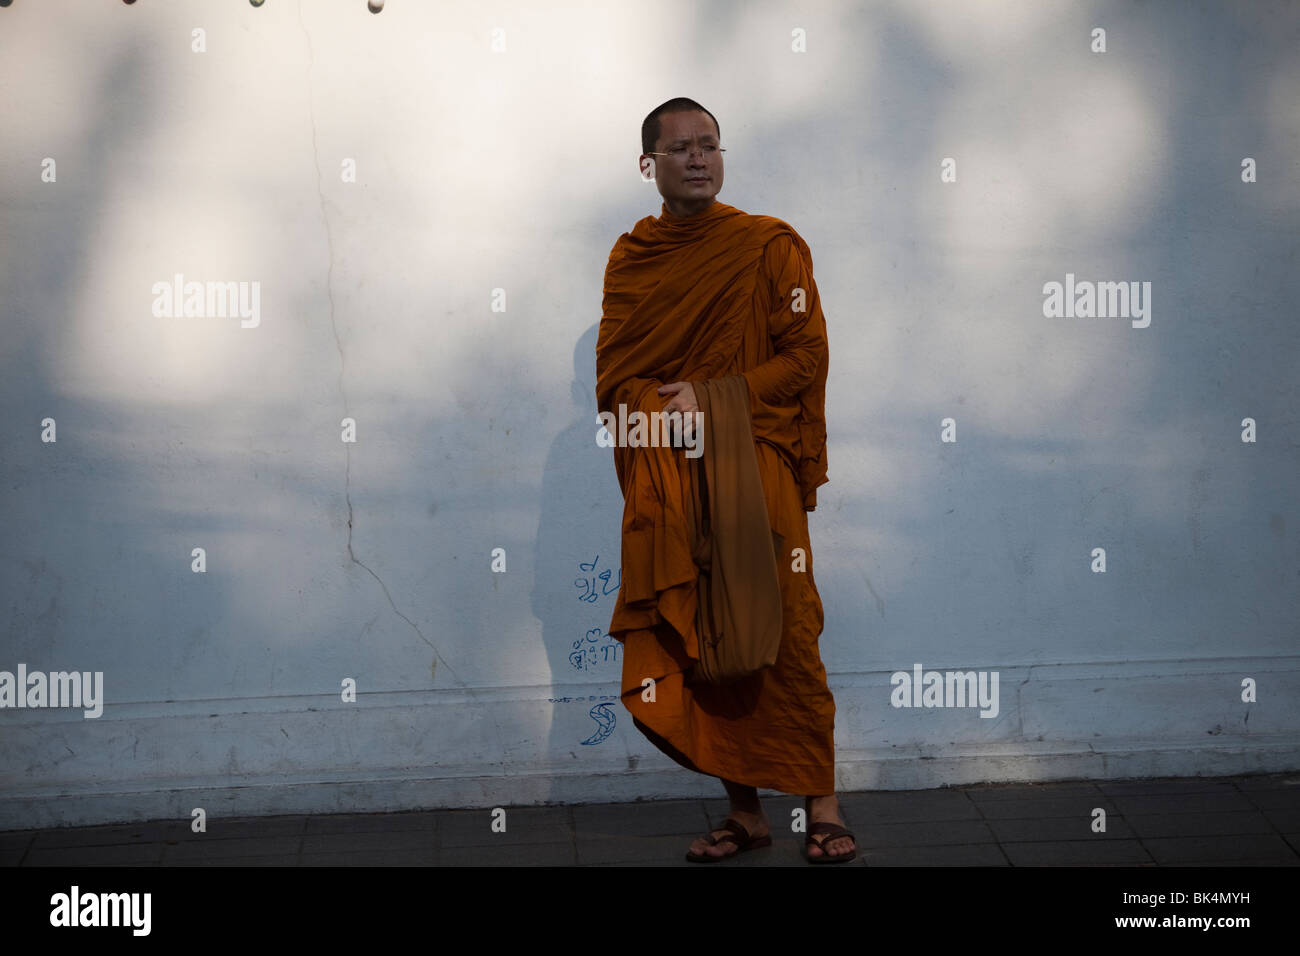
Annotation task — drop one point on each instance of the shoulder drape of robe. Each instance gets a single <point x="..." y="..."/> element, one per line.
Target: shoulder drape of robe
<point x="678" y="301"/>
<point x="718" y="294"/>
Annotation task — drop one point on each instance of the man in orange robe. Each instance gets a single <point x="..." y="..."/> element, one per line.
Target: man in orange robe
<point x="706" y="291"/>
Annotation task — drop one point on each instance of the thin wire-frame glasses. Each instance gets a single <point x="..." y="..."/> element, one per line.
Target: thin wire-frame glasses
<point x="677" y="152"/>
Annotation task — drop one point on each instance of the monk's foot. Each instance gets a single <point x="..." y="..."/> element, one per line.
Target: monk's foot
<point x="827" y="810"/>
<point x="755" y="823"/>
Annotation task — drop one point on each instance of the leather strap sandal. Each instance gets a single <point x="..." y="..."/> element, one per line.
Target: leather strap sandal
<point x="737" y="835"/>
<point x="830" y="831"/>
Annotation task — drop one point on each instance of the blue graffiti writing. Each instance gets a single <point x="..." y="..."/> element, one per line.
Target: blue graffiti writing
<point x="606" y="721"/>
<point x="589" y="651"/>
<point x="588" y="590"/>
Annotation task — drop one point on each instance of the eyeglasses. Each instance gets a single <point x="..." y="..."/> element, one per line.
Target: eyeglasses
<point x="679" y="152"/>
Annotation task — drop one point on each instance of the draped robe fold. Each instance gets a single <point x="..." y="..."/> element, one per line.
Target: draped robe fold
<point x="718" y="294"/>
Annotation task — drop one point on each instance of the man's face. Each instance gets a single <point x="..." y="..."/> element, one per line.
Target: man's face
<point x="690" y="176"/>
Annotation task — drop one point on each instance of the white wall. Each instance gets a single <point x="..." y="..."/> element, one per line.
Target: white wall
<point x="479" y="170"/>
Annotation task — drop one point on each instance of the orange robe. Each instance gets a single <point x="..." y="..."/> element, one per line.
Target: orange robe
<point x="689" y="299"/>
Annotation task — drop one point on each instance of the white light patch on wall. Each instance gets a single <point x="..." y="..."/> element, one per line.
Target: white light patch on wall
<point x="1080" y="162"/>
<point x="1282" y="109"/>
<point x="969" y="36"/>
<point x="753" y="62"/>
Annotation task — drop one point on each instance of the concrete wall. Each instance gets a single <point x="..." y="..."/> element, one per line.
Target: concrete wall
<point x="482" y="168"/>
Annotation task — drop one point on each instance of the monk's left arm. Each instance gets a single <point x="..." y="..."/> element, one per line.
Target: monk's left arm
<point x="798" y="337"/>
<point x="639" y="394"/>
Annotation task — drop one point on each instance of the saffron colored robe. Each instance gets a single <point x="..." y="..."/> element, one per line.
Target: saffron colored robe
<point x="690" y="299"/>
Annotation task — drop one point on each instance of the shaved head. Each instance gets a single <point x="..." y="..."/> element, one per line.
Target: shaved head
<point x="651" y="127"/>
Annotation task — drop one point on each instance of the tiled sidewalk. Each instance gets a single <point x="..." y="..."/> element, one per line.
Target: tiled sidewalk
<point x="1203" y="821"/>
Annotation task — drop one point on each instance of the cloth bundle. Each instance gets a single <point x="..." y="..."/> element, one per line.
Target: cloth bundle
<point x="738" y="618"/>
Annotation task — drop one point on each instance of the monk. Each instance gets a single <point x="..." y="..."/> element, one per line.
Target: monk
<point x="702" y="293"/>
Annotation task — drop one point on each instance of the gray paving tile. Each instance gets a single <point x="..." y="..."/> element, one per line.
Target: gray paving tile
<point x="915" y="806"/>
<point x="968" y="854"/>
<point x="1199" y="824"/>
<point x="634" y="849"/>
<point x="102" y="836"/>
<point x="243" y="828"/>
<point x="774" y="806"/>
<point x="1222" y="849"/>
<point x="237" y="861"/>
<point x="392" y="858"/>
<point x="1288" y="799"/>
<point x="111" y="855"/>
<point x="1219" y="864"/>
<point x="1077" y="853"/>
<point x="1269" y="781"/>
<point x="655" y="864"/>
<point x="660" y="818"/>
<point x="932" y="833"/>
<point x="1166" y="785"/>
<point x="1222" y="801"/>
<point x="17" y="838"/>
<point x="524" y="826"/>
<point x="418" y="822"/>
<point x="14" y="846"/>
<point x="198" y="849"/>
<point x="1058" y="829"/>
<point x="532" y="854"/>
<point x="788" y="850"/>
<point x="369" y="841"/>
<point x="987" y="793"/>
<point x="1077" y="805"/>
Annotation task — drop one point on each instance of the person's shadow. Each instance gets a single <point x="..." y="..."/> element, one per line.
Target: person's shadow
<point x="576" y="562"/>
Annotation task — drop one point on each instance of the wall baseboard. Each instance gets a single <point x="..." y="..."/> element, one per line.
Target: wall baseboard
<point x="525" y="746"/>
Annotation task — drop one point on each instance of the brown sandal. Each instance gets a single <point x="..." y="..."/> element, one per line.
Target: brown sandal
<point x="737" y="835"/>
<point x="831" y="831"/>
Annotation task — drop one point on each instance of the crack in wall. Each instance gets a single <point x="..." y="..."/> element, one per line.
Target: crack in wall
<point x="1020" y="703"/>
<point x="338" y="344"/>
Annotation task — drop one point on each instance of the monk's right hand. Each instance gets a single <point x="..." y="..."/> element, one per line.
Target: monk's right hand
<point x="684" y="401"/>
